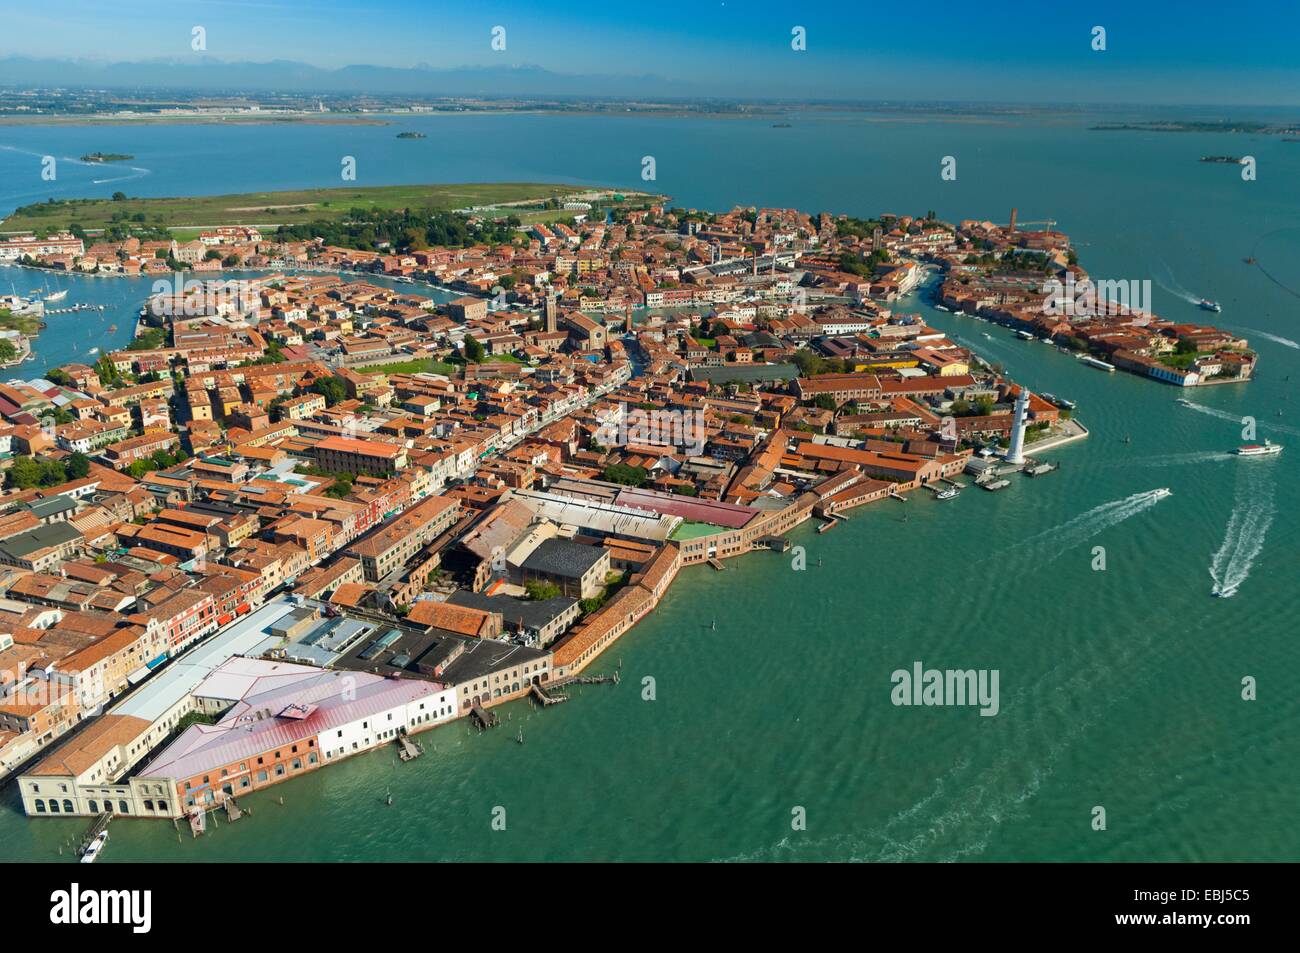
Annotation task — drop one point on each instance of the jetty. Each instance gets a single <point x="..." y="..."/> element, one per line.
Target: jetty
<point x="712" y="561"/>
<point x="408" y="749"/>
<point x="484" y="718"/>
<point x="97" y="827"/>
<point x="75" y="308"/>
<point x="992" y="485"/>
<point x="831" y="523"/>
<point x="543" y="698"/>
<point x="233" y="813"/>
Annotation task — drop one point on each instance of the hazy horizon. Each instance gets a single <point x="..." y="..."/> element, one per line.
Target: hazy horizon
<point x="1189" y="54"/>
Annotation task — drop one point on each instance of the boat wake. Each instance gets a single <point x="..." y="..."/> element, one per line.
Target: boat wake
<point x="1177" y="459"/>
<point x="1252" y="514"/>
<point x="1083" y="527"/>
<point x="1171" y="284"/>
<point x="1267" y="423"/>
<point x="136" y="173"/>
<point x="1275" y="338"/>
<point x="1212" y="411"/>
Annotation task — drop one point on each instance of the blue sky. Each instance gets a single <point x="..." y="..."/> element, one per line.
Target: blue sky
<point x="1195" y="52"/>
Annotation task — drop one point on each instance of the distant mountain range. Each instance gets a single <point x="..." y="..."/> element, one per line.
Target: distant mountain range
<point x="288" y="76"/>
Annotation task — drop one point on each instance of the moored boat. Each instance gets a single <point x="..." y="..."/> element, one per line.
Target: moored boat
<point x="94" y="848"/>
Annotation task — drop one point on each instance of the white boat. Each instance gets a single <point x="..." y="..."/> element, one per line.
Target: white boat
<point x="1207" y="305"/>
<point x="947" y="494"/>
<point x="1024" y="335"/>
<point x="57" y="295"/>
<point x="94" y="350"/>
<point x="1094" y="362"/>
<point x="1161" y="493"/>
<point x="1267" y="449"/>
<point x="94" y="848"/>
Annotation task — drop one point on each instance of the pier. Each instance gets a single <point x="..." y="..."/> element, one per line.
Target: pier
<point x="75" y="308"/>
<point x="712" y="561"/>
<point x="408" y="749"/>
<point x="97" y="827"/>
<point x="484" y="718"/>
<point x="539" y="695"/>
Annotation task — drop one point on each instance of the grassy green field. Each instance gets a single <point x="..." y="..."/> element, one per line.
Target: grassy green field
<point x="279" y="208"/>
<point x="419" y="365"/>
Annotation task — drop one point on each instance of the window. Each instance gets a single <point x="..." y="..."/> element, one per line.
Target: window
<point x="261" y="777"/>
<point x="121" y="806"/>
<point x="94" y="807"/>
<point x="40" y="806"/>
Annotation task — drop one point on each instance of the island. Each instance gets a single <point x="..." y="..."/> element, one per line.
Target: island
<point x="448" y="457"/>
<point x="107" y="157"/>
<point x="192" y="214"/>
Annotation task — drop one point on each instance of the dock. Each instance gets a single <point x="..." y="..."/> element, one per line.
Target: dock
<point x="408" y="749"/>
<point x="97" y="827"/>
<point x="1039" y="469"/>
<point x="484" y="718"/>
<point x="233" y="813"/>
<point x="778" y="544"/>
<point x="540" y="695"/>
<point x="996" y="485"/>
<point x="75" y="308"/>
<point x="830" y="524"/>
<point x="712" y="561"/>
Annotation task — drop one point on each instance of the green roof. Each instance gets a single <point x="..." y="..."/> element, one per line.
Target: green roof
<point x="690" y="530"/>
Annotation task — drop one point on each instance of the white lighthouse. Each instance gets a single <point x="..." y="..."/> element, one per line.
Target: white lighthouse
<point x="1016" y="450"/>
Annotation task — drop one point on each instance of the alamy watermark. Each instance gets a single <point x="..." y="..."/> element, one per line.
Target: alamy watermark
<point x="1090" y="299"/>
<point x="946" y="687"/>
<point x="655" y="428"/>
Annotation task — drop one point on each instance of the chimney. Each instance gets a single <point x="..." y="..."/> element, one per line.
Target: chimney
<point x="1013" y="220"/>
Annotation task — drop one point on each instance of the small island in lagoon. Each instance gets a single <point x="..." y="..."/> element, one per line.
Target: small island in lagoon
<point x="107" y="157"/>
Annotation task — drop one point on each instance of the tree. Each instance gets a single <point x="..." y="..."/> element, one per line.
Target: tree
<point x="825" y="402"/>
<point x="24" y="474"/>
<point x="78" y="466"/>
<point x="474" y="352"/>
<point x="8" y="353"/>
<point x="627" y="475"/>
<point x="333" y="388"/>
<point x="119" y="196"/>
<point x="540" y="591"/>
